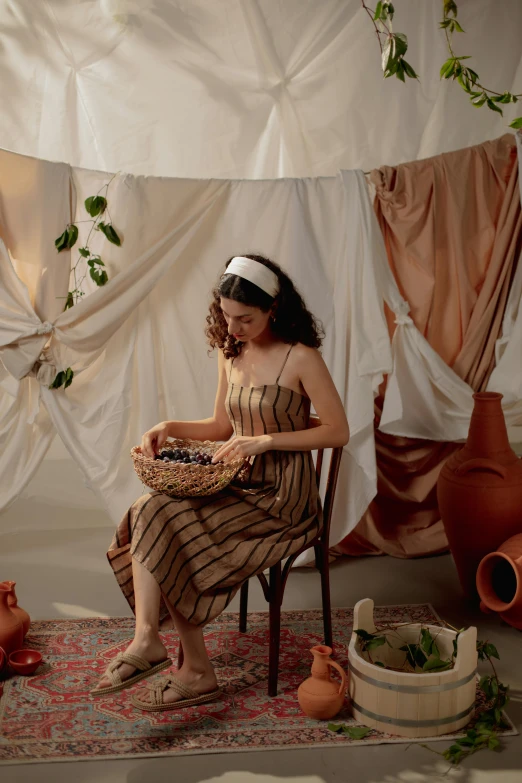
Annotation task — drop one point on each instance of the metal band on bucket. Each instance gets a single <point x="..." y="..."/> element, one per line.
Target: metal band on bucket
<point x="411" y="723"/>
<point x="390" y="686"/>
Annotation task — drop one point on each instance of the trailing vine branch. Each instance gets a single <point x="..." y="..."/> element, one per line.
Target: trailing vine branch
<point x="96" y="206"/>
<point x="469" y="79"/>
<point x="396" y="44"/>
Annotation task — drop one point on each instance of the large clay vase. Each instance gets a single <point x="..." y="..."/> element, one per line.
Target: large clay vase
<point x="499" y="581"/>
<point x="319" y="696"/>
<point x="12" y="600"/>
<point x="480" y="491"/>
<point x="11" y="628"/>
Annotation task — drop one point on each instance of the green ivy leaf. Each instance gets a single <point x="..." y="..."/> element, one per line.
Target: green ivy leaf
<point x="364" y="635"/>
<point x="435" y="664"/>
<point x="61" y="242"/>
<point x="84" y="251"/>
<point x="58" y="381"/>
<point x="408" y="70"/>
<point x="378" y="641"/>
<point x="447" y="68"/>
<point x="493" y="106"/>
<point x="378" y="12"/>
<point x="387" y="55"/>
<point x="67" y="239"/>
<point x="356" y="732"/>
<point x="69" y="302"/>
<point x="69" y="375"/>
<point x="450" y="7"/>
<point x="504" y="98"/>
<point x="428" y="643"/>
<point x="99" y="276"/>
<point x="95" y="205"/>
<point x="491" y="651"/>
<point x="72" y="235"/>
<point x="95" y="260"/>
<point x="516" y="124"/>
<point x="110" y="233"/>
<point x="480" y="101"/>
<point x="456" y="26"/>
<point x="484" y="682"/>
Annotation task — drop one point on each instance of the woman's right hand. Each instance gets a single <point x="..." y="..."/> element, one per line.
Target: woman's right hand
<point x="154" y="439"/>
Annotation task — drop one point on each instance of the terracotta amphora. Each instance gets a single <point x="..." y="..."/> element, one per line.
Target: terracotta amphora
<point x="11" y="628"/>
<point x="499" y="581"/>
<point x="480" y="491"/>
<point x="12" y="600"/>
<point x="319" y="696"/>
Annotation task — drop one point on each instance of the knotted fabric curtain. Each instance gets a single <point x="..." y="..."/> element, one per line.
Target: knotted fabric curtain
<point x="452" y="226"/>
<point x="137" y="345"/>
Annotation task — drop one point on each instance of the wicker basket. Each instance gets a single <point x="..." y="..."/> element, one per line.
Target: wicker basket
<point x="180" y="480"/>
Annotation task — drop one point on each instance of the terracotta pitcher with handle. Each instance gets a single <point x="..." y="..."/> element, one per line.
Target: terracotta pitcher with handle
<point x="319" y="696"/>
<point x="11" y="629"/>
<point x="480" y="491"/>
<point x="12" y="600"/>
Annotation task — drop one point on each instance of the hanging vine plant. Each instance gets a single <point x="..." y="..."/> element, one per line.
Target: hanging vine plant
<point x="97" y="207"/>
<point x="394" y="46"/>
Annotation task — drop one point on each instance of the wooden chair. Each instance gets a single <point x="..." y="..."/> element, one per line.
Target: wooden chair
<point x="274" y="586"/>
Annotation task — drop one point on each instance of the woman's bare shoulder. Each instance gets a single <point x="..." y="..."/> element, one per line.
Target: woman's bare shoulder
<point x="303" y="354"/>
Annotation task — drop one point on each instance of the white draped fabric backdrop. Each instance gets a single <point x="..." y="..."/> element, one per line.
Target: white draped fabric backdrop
<point x="230" y="90"/>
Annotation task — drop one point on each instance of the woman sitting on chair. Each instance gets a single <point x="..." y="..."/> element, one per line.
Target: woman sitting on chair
<point x="191" y="555"/>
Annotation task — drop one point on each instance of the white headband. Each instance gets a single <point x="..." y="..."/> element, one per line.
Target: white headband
<point x="256" y="273"/>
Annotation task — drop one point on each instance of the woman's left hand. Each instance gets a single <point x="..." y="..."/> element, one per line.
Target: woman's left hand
<point x="242" y="446"/>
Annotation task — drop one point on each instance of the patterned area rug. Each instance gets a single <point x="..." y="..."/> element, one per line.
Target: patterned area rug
<point x="51" y="717"/>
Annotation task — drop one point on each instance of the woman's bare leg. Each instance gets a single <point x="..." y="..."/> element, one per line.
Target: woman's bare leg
<point x="147" y="641"/>
<point x="197" y="672"/>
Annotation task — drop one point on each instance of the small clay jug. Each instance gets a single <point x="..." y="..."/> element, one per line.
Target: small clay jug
<point x="499" y="581"/>
<point x="319" y="696"/>
<point x="11" y="628"/>
<point x="12" y="600"/>
<point x="480" y="491"/>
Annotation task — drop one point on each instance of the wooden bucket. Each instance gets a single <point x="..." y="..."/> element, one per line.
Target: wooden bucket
<point x="405" y="703"/>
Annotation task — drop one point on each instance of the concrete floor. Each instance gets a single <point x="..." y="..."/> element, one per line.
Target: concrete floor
<point x="63" y="573"/>
<point x="55" y="551"/>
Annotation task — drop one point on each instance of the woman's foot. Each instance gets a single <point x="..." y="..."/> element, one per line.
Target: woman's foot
<point x="150" y="648"/>
<point x="200" y="681"/>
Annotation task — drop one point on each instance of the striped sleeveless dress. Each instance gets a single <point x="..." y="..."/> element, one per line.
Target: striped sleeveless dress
<point x="201" y="549"/>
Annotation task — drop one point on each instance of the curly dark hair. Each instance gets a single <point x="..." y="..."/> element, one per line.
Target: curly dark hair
<point x="294" y="323"/>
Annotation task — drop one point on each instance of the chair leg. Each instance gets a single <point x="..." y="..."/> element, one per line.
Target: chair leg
<point x="321" y="561"/>
<point x="276" y="599"/>
<point x="181" y="656"/>
<point x="243" y="607"/>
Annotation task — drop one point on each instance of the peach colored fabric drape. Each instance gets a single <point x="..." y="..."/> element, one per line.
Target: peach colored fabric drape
<point x="452" y="226"/>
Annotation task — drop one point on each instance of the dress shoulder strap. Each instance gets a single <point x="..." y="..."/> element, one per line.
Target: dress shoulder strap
<point x="230" y="370"/>
<point x="284" y="363"/>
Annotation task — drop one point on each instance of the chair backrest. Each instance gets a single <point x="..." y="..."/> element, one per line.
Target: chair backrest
<point x="331" y="481"/>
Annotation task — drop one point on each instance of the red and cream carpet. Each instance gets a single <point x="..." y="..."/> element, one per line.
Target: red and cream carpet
<point x="50" y="715"/>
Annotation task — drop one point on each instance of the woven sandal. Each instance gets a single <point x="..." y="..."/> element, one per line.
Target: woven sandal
<point x="190" y="697"/>
<point x="145" y="669"/>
